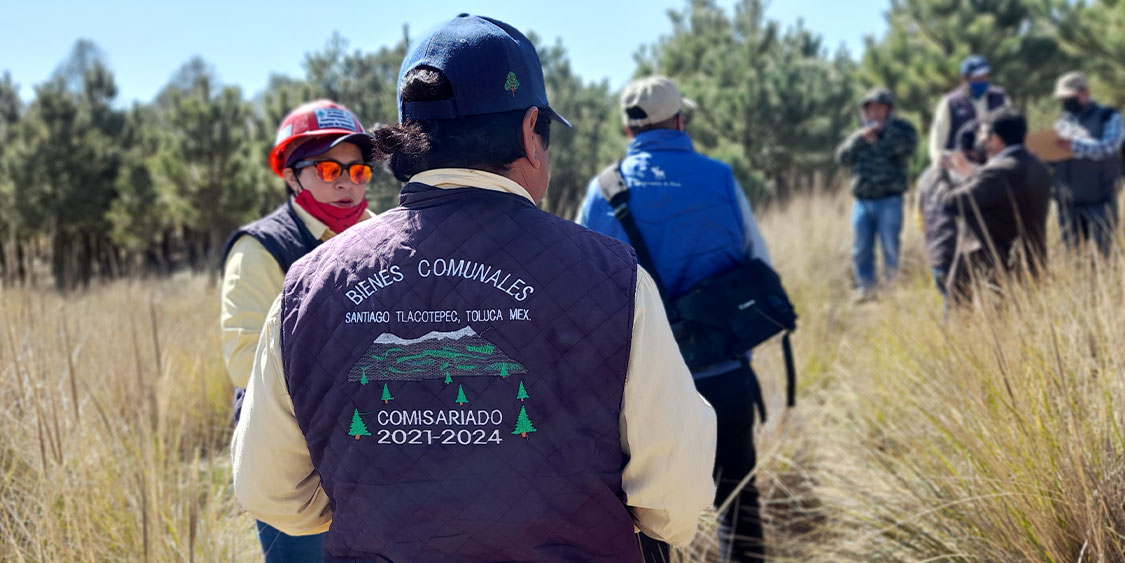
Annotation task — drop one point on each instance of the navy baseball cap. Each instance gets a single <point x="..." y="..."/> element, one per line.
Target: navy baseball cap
<point x="975" y="65"/>
<point x="491" y="66"/>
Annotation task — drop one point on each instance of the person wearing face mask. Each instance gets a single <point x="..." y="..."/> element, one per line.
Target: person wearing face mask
<point x="1001" y="208"/>
<point x="972" y="100"/>
<point x="467" y="377"/>
<point x="879" y="157"/>
<point x="1086" y="184"/>
<point x="324" y="155"/>
<point x="939" y="227"/>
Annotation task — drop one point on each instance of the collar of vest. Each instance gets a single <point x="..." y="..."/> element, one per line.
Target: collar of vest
<point x="661" y="140"/>
<point x="1090" y="109"/>
<point x="415" y="194"/>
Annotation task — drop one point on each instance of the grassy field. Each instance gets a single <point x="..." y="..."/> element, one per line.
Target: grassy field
<point x="993" y="435"/>
<point x="115" y="431"/>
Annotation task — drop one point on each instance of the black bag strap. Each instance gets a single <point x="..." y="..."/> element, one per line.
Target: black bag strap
<point x="790" y="371"/>
<point x="613" y="187"/>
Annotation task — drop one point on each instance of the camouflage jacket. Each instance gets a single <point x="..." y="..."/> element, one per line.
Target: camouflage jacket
<point x="880" y="167"/>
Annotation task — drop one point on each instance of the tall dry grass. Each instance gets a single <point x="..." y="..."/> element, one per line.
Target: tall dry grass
<point x="113" y="439"/>
<point x="993" y="435"/>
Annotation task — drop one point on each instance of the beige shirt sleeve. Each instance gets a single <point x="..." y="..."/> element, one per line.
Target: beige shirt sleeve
<point x="667" y="429"/>
<point x="274" y="478"/>
<point x="939" y="131"/>
<point x="252" y="279"/>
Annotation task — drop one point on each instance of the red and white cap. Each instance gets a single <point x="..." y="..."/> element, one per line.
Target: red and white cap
<point x="322" y="118"/>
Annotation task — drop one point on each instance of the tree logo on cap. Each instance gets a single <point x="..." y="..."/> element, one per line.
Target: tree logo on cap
<point x="511" y="83"/>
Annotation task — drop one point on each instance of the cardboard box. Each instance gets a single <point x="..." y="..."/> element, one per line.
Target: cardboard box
<point x="1044" y="144"/>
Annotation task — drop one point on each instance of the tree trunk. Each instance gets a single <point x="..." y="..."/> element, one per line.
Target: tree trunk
<point x="60" y="251"/>
<point x="21" y="262"/>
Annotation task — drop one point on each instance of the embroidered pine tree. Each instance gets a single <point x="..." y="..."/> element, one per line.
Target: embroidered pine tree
<point x="505" y="368"/>
<point x="461" y="399"/>
<point x="448" y="377"/>
<point x="387" y="397"/>
<point x="510" y="83"/>
<point x="523" y="424"/>
<point x="358" y="427"/>
<point x="521" y="394"/>
<point x="363" y="376"/>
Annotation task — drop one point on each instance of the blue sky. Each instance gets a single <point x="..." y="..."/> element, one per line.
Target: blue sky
<point x="146" y="41"/>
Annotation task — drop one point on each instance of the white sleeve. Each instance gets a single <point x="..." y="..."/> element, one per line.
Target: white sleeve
<point x="274" y="478"/>
<point x="668" y="430"/>
<point x="939" y="131"/>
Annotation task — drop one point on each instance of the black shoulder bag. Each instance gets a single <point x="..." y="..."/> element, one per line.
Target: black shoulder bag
<point x="722" y="316"/>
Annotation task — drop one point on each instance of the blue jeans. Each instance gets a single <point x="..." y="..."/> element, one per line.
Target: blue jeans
<point x="939" y="280"/>
<point x="876" y="218"/>
<point x="280" y="547"/>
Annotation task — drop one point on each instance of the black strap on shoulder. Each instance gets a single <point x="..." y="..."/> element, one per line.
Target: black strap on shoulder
<point x="613" y="187"/>
<point x="790" y="371"/>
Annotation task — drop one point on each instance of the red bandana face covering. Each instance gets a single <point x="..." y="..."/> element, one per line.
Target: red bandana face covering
<point x="336" y="218"/>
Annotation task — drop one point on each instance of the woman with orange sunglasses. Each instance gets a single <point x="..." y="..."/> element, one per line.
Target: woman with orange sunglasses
<point x="324" y="156"/>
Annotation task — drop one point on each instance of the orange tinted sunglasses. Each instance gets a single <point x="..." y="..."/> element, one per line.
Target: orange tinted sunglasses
<point x="330" y="170"/>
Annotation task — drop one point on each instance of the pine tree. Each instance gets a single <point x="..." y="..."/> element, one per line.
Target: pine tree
<point x="387" y="397"/>
<point x="448" y="377"/>
<point x="363" y="376"/>
<point x="522" y="393"/>
<point x="209" y="164"/>
<point x="358" y="427"/>
<point x="599" y="139"/>
<point x="461" y="399"/>
<point x="772" y="101"/>
<point x="523" y="424"/>
<point x="66" y="167"/>
<point x="1091" y="30"/>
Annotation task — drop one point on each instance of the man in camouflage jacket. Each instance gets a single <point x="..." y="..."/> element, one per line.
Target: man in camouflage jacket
<point x="878" y="155"/>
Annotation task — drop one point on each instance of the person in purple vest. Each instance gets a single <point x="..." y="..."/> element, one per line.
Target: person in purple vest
<point x="975" y="98"/>
<point x="696" y="222"/>
<point x="1086" y="185"/>
<point x="467" y="377"/>
<point x="323" y="154"/>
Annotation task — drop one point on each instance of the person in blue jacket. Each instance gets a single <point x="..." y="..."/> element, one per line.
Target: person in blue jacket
<point x="696" y="222"/>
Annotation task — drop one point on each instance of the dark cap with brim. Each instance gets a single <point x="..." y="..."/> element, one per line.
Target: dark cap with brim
<point x="975" y="66"/>
<point x="492" y="67"/>
<point x="321" y="145"/>
<point x="878" y="95"/>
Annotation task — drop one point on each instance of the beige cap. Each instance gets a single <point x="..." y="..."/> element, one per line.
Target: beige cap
<point x="1070" y="84"/>
<point x="651" y="100"/>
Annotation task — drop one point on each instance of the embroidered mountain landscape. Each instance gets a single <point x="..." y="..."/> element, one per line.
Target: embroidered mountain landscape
<point x="437" y="355"/>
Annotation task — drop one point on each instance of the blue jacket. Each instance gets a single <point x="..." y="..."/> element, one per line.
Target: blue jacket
<point x="694" y="217"/>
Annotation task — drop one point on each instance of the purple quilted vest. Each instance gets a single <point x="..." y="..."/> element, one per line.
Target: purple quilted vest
<point x="457" y="366"/>
<point x="961" y="110"/>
